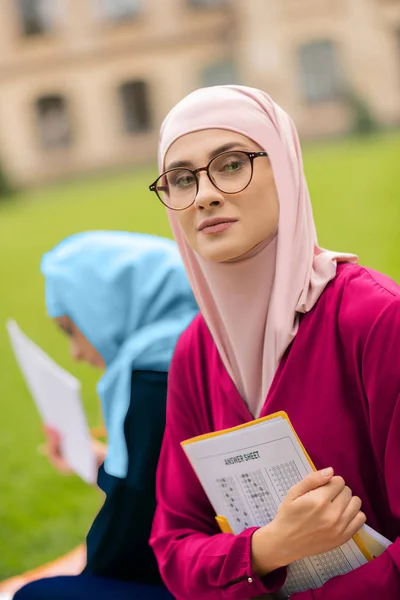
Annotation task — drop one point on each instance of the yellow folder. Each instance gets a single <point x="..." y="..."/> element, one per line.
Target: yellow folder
<point x="369" y="545"/>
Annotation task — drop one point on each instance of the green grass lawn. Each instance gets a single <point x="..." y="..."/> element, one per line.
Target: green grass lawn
<point x="355" y="187"/>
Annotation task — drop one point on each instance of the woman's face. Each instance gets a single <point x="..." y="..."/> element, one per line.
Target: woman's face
<point x="250" y="216"/>
<point x="80" y="347"/>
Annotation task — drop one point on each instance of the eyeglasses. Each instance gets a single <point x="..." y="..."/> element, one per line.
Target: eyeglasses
<point x="230" y="172"/>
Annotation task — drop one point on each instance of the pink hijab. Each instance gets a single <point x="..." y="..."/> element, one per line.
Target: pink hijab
<point x="251" y="306"/>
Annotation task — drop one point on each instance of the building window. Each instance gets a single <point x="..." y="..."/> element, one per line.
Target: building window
<point x="320" y="72"/>
<point x="117" y="10"/>
<point x="38" y="17"/>
<point x="207" y="3"/>
<point x="135" y="106"/>
<point x="53" y="122"/>
<point x="219" y="73"/>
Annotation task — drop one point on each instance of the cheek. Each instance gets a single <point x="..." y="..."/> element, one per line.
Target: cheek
<point x="186" y="222"/>
<point x="262" y="207"/>
<point x="75" y="349"/>
<point x="86" y="350"/>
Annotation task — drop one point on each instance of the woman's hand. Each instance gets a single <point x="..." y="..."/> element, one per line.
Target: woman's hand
<point x="100" y="450"/>
<point x="53" y="450"/>
<point x="318" y="514"/>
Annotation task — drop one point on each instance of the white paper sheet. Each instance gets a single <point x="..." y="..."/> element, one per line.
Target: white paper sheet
<point x="57" y="395"/>
<point x="246" y="475"/>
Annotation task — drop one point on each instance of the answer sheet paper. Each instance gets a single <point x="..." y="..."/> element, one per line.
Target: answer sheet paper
<point x="247" y="473"/>
<point x="57" y="395"/>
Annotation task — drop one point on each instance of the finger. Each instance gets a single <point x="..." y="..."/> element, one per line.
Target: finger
<point x="342" y="499"/>
<point x="60" y="464"/>
<point x="49" y="430"/>
<point x="327" y="493"/>
<point x="311" y="482"/>
<point x="47" y="450"/>
<point x="354" y="526"/>
<point x="55" y="436"/>
<point x="100" y="450"/>
<point x="351" y="511"/>
<point x="53" y="449"/>
<point x="333" y="488"/>
<point x="54" y="444"/>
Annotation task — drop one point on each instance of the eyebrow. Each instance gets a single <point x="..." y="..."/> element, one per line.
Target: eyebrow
<point x="224" y="148"/>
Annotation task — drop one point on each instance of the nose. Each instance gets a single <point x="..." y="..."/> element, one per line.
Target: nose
<point x="208" y="195"/>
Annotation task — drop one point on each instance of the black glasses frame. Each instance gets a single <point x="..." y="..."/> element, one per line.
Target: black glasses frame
<point x="251" y="155"/>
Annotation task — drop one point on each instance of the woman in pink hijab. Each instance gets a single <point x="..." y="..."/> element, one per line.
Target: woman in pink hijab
<point x="284" y="325"/>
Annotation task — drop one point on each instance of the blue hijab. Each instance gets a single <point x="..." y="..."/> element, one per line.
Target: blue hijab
<point x="129" y="295"/>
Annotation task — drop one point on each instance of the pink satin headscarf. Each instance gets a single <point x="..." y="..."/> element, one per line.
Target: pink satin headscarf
<point x="252" y="306"/>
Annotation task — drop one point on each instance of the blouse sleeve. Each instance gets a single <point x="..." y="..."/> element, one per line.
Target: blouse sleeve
<point x="195" y="560"/>
<point x="380" y="368"/>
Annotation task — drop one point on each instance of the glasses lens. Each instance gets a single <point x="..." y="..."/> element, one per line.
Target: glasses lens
<point x="177" y="188"/>
<point x="231" y="171"/>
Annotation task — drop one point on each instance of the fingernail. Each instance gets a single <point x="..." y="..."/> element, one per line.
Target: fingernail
<point x="327" y="472"/>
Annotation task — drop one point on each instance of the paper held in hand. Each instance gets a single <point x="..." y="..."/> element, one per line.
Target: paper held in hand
<point x="58" y="399"/>
<point x="246" y="473"/>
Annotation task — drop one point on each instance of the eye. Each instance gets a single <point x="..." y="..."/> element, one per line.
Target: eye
<point x="232" y="166"/>
<point x="183" y="180"/>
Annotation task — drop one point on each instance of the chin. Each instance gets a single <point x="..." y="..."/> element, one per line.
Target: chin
<point x="219" y="251"/>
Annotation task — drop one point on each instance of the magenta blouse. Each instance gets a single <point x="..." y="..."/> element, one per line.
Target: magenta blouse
<point x="339" y="382"/>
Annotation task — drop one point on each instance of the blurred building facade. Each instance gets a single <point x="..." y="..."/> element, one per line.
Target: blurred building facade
<point x="323" y="60"/>
<point x="84" y="84"/>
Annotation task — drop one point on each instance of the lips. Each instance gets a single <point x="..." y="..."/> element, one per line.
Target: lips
<point x="215" y="222"/>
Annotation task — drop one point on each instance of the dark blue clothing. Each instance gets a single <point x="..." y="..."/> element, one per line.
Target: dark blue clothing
<point x="86" y="587"/>
<point x="117" y="543"/>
